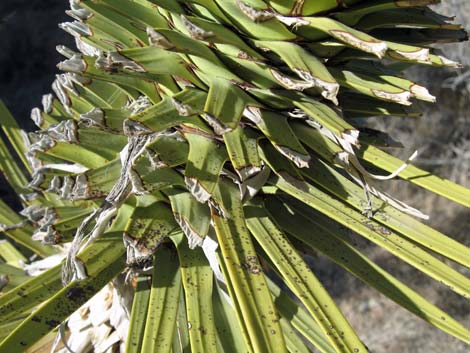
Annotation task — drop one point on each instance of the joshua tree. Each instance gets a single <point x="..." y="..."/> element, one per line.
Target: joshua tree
<point x="195" y="154"/>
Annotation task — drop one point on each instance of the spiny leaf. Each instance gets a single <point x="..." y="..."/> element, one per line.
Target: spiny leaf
<point x="302" y="281"/>
<point x="163" y="302"/>
<point x="198" y="286"/>
<point x="263" y="332"/>
<point x="103" y="261"/>
<point x="333" y="241"/>
<point x="138" y="316"/>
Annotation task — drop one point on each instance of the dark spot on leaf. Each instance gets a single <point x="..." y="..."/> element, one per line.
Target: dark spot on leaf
<point x="52" y="323"/>
<point x="75" y="293"/>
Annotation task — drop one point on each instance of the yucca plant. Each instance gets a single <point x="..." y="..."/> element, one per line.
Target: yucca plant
<point x="194" y="156"/>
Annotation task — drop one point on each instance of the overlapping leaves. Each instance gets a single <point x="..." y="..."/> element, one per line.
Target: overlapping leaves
<point x="219" y="140"/>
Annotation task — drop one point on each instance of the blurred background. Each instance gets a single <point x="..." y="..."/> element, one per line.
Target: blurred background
<point x="29" y="35"/>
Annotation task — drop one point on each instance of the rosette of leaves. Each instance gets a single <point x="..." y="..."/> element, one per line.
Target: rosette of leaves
<point x="204" y="149"/>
